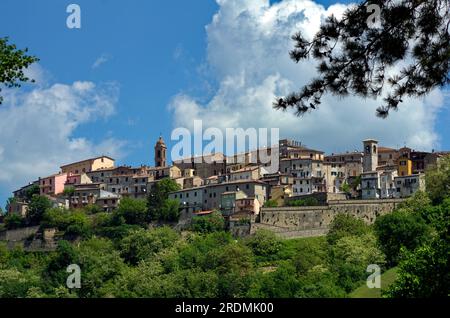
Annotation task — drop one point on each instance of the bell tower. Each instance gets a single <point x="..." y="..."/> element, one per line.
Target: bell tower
<point x="160" y="153"/>
<point x="370" y="159"/>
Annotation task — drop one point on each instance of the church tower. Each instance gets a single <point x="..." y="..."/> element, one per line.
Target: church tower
<point x="370" y="159"/>
<point x="160" y="153"/>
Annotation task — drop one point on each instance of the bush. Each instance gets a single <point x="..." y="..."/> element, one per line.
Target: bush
<point x="14" y="221"/>
<point x="37" y="207"/>
<point x="345" y="225"/>
<point x="134" y="211"/>
<point x="400" y="229"/>
<point x="209" y="223"/>
<point x="303" y="202"/>
<point x="271" y="204"/>
<point x="141" y="244"/>
<point x="264" y="243"/>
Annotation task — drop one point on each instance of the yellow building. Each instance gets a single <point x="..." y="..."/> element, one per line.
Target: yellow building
<point x="88" y="165"/>
<point x="404" y="167"/>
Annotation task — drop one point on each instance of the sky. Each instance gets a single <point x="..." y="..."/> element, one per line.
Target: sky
<point x="138" y="69"/>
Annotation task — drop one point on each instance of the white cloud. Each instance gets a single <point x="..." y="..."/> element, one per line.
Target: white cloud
<point x="102" y="59"/>
<point x="37" y="129"/>
<point x="248" y="52"/>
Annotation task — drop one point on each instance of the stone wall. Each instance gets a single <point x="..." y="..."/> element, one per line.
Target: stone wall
<point x="316" y="219"/>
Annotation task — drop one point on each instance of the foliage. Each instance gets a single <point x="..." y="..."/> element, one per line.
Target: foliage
<point x="400" y="229"/>
<point x="264" y="243"/>
<point x="158" y="208"/>
<point x="303" y="202"/>
<point x="31" y="192"/>
<point x="437" y="181"/>
<point x="69" y="192"/>
<point x="170" y="211"/>
<point x="13" y="221"/>
<point x="208" y="223"/>
<point x="345" y="225"/>
<point x="271" y="204"/>
<point x="134" y="211"/>
<point x="13" y="62"/>
<point x="141" y="245"/>
<point x="74" y="223"/>
<point x="350" y="256"/>
<point x="356" y="57"/>
<point x="37" y="207"/>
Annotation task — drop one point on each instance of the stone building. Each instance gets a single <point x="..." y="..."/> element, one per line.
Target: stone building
<point x="160" y="153"/>
<point x="370" y="178"/>
<point x="406" y="186"/>
<point x="88" y="165"/>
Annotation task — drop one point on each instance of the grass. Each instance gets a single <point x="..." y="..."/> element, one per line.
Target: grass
<point x="387" y="278"/>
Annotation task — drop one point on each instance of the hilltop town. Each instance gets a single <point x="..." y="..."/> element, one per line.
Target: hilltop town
<point x="239" y="186"/>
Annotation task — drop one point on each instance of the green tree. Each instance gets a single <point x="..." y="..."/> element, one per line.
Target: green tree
<point x="210" y="223"/>
<point x="350" y="256"/>
<point x="37" y="207"/>
<point x="157" y="197"/>
<point x="13" y="221"/>
<point x="437" y="181"/>
<point x="134" y="211"/>
<point x="400" y="229"/>
<point x="170" y="211"/>
<point x="32" y="191"/>
<point x="264" y="243"/>
<point x="142" y="244"/>
<point x="357" y="58"/>
<point x="13" y="62"/>
<point x="345" y="225"/>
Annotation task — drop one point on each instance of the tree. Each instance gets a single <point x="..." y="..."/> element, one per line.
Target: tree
<point x="141" y="244"/>
<point x="437" y="180"/>
<point x="357" y="57"/>
<point x="32" y="191"/>
<point x="37" y="207"/>
<point x="134" y="211"/>
<point x="400" y="229"/>
<point x="345" y="225"/>
<point x="350" y="256"/>
<point x="13" y="221"/>
<point x="158" y="196"/>
<point x="209" y="223"/>
<point x="13" y="62"/>
<point x="264" y="243"/>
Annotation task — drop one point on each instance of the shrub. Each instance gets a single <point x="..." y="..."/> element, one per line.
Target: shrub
<point x="209" y="223"/>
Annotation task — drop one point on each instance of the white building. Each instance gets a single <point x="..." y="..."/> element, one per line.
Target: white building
<point x="406" y="186"/>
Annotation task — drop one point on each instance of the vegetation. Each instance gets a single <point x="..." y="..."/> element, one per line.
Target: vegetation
<point x="214" y="222"/>
<point x="271" y="204"/>
<point x="120" y="255"/>
<point x="303" y="202"/>
<point x="12" y="66"/>
<point x="357" y="56"/>
<point x="160" y="208"/>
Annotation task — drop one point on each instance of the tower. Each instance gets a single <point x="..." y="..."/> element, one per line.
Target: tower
<point x="160" y="153"/>
<point x="370" y="159"/>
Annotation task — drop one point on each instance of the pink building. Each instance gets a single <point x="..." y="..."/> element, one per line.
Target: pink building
<point x="53" y="185"/>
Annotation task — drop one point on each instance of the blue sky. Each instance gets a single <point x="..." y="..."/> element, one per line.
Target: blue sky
<point x="151" y="52"/>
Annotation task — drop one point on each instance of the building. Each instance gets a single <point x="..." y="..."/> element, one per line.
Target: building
<point x="279" y="193"/>
<point x="53" y="185"/>
<point x="370" y="178"/>
<point x="228" y="201"/>
<point x="387" y="183"/>
<point x="406" y="186"/>
<point x="160" y="153"/>
<point x="308" y="174"/>
<point x="85" y="166"/>
<point x="23" y="192"/>
<point x="246" y="207"/>
<point x="209" y="197"/>
<point x="94" y="193"/>
<point x="19" y="208"/>
<point x="387" y="156"/>
<point x="204" y="166"/>
<point x="404" y="166"/>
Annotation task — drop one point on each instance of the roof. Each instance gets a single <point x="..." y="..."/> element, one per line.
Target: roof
<point x="203" y="212"/>
<point x="81" y="161"/>
<point x="107" y="195"/>
<point x="386" y="149"/>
